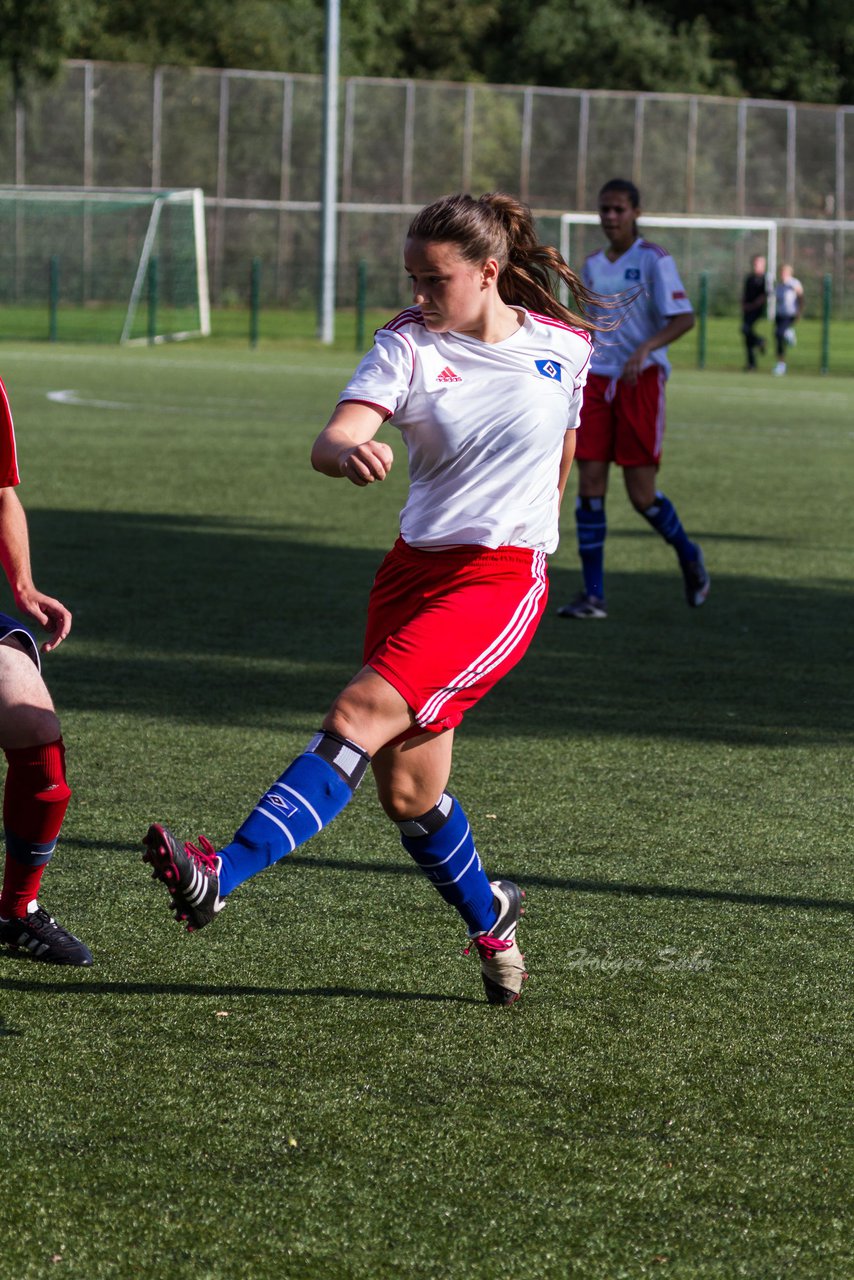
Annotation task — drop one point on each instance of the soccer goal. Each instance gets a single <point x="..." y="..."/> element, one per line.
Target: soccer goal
<point x="719" y="249"/>
<point x="109" y="265"/>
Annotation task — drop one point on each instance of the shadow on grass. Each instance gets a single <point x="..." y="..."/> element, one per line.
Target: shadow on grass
<point x="569" y="885"/>
<point x="617" y="887"/>
<point x="248" y="624"/>
<point x="198" y="989"/>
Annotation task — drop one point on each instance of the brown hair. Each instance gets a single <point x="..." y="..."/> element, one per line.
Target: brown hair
<point x="499" y="226"/>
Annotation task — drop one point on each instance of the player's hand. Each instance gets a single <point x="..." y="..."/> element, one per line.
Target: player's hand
<point x="634" y="364"/>
<point x="365" y="463"/>
<point x="51" y="614"/>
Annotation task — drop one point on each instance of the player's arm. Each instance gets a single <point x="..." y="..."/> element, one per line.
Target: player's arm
<point x="346" y="445"/>
<point x="565" y="462"/>
<point x="15" y="559"/>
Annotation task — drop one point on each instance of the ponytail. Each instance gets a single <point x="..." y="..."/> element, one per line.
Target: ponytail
<point x="499" y="226"/>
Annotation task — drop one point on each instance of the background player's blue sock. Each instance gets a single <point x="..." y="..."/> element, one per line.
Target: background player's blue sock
<point x="309" y="794"/>
<point x="663" y="518"/>
<point x="441" y="843"/>
<point x="591" y="528"/>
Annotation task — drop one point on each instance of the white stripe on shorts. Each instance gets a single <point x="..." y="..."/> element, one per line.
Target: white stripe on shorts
<point x="497" y="651"/>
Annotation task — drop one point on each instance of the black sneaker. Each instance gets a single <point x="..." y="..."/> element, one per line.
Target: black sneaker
<point x="502" y="965"/>
<point x="190" y="874"/>
<point x="584" y="606"/>
<point x="40" y="935"/>
<point x="697" y="580"/>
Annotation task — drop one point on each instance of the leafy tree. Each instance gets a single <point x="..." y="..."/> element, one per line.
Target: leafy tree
<point x="285" y="35"/>
<point x="801" y="49"/>
<point x="37" y="35"/>
<point x="585" y="44"/>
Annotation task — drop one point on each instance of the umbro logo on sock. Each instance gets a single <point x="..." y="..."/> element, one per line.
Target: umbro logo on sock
<point x="448" y="375"/>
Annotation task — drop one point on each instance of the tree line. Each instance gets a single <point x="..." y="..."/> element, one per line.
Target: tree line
<point x="790" y="49"/>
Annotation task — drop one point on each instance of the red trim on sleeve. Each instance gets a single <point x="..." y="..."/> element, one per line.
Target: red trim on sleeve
<point x="380" y="408"/>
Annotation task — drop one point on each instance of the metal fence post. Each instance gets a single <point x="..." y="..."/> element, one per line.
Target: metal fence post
<point x="825" y="324"/>
<point x="53" y="297"/>
<point x="361" y="303"/>
<point x="152" y="300"/>
<point x="254" y="300"/>
<point x="702" y="319"/>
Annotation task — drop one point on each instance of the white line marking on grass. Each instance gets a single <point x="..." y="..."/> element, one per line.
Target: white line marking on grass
<point x="72" y="397"/>
<point x="135" y="406"/>
<point x="213" y="406"/>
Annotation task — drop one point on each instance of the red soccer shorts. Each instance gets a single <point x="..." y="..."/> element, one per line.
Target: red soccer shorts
<point x="445" y="626"/>
<point x="623" y="423"/>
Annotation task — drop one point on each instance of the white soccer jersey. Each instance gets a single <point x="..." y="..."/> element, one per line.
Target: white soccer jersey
<point x="645" y="267"/>
<point x="483" y="423"/>
<point x="788" y="296"/>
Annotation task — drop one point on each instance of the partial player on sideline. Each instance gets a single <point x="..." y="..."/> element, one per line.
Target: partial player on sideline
<point x="36" y="792"/>
<point x="482" y="376"/>
<point x="622" y="419"/>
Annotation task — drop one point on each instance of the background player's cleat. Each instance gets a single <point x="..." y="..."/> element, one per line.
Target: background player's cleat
<point x="697" y="580"/>
<point x="584" y="606"/>
<point x="38" y="934"/>
<point x="779" y="368"/>
<point x="502" y="965"/>
<point x="191" y="875"/>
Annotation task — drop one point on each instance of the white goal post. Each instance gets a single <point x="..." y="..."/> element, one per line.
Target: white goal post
<point x="762" y="229"/>
<point x="195" y="198"/>
<point x="109" y="250"/>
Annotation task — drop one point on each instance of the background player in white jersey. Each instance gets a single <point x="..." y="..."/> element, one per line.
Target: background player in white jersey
<point x="483" y="378"/>
<point x="36" y="793"/>
<point x="789" y="303"/>
<point x="622" y="419"/>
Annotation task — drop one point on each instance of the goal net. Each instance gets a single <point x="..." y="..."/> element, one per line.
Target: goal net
<point x="116" y="266"/>
<point x="716" y="251"/>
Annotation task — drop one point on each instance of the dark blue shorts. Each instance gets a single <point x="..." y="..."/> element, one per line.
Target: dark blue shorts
<point x="11" y="627"/>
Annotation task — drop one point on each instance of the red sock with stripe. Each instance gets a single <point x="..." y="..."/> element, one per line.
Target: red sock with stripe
<point x="35" y="799"/>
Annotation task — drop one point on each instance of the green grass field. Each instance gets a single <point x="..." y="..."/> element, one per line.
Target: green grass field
<point x="724" y="345"/>
<point x="313" y="1088"/>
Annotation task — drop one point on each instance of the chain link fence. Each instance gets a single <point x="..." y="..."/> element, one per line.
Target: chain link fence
<point x="253" y="142"/>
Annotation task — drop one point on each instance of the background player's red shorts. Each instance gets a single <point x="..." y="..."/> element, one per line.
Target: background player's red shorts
<point x="623" y="423"/>
<point x="445" y="626"/>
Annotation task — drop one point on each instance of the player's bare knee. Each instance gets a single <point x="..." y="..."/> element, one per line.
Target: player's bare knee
<point x="28" y="726"/>
<point x="347" y="717"/>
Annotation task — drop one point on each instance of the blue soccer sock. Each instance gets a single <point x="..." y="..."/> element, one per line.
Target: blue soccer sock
<point x="664" y="520"/>
<point x="591" y="529"/>
<point x="441" y="843"/>
<point x="309" y="794"/>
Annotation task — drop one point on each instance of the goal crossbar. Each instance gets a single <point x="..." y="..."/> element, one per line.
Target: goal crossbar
<point x="766" y="226"/>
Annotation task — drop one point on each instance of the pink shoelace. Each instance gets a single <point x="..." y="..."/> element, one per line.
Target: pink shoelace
<point x="487" y="947"/>
<point x="204" y="857"/>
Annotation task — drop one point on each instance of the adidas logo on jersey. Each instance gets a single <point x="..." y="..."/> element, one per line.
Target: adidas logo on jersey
<point x="448" y="375"/>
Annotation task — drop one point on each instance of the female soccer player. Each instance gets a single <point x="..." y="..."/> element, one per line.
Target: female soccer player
<point x="36" y="793"/>
<point x="482" y="376"/>
<point x="623" y="416"/>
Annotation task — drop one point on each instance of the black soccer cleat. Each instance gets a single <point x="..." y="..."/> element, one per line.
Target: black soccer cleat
<point x="40" y="936"/>
<point x="191" y="875"/>
<point x="502" y="965"/>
